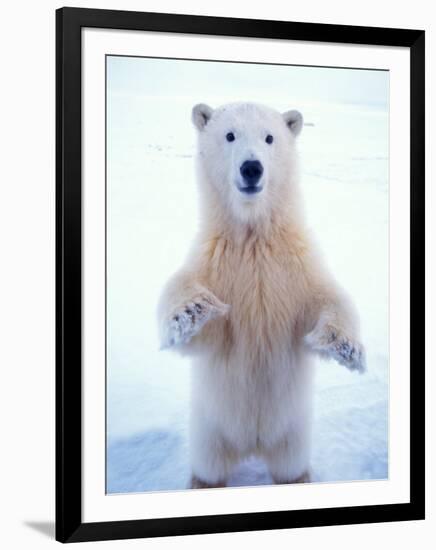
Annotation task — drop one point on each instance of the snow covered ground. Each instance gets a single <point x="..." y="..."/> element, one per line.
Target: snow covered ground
<point x="152" y="217"/>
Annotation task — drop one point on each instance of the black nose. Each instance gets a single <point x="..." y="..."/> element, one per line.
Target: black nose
<point x="251" y="171"/>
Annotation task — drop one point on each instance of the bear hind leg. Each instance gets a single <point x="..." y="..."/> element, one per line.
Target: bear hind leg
<point x="212" y="458"/>
<point x="305" y="477"/>
<point x="289" y="460"/>
<point x="197" y="483"/>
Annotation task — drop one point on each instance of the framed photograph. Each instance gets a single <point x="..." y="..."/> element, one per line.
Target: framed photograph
<point x="240" y="274"/>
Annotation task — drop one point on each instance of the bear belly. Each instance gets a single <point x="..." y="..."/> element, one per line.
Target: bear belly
<point x="252" y="404"/>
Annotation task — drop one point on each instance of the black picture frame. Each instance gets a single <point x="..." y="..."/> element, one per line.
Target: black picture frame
<point x="69" y="525"/>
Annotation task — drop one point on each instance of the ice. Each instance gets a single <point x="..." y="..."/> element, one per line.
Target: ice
<point x="152" y="217"/>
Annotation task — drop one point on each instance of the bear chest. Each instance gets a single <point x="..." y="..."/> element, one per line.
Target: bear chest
<point x="264" y="287"/>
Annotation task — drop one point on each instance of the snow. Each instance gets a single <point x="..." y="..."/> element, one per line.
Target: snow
<point x="152" y="217"/>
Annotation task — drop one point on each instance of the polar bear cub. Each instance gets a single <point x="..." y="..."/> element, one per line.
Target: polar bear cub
<point x="253" y="300"/>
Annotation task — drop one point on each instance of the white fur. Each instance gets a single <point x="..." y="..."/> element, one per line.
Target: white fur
<point x="253" y="300"/>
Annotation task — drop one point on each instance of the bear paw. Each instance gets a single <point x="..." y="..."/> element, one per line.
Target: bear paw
<point x="187" y="320"/>
<point x="331" y="343"/>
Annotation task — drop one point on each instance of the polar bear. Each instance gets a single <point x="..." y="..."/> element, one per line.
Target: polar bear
<point x="253" y="300"/>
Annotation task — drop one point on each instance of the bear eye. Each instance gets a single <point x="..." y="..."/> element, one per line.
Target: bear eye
<point x="230" y="136"/>
<point x="269" y="139"/>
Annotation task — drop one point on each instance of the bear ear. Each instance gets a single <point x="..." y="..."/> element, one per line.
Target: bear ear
<point x="201" y="114"/>
<point x="294" y="121"/>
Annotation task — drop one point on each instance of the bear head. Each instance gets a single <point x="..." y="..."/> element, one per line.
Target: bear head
<point x="247" y="157"/>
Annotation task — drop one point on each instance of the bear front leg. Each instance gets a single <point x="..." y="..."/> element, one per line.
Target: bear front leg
<point x="334" y="337"/>
<point x="188" y="319"/>
<point x="185" y="307"/>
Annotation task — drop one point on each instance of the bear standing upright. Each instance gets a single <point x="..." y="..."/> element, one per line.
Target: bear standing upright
<point x="253" y="300"/>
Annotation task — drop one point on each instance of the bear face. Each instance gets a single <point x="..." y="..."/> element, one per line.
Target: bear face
<point x="247" y="156"/>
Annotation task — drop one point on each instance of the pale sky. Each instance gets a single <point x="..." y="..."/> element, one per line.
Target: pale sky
<point x="246" y="82"/>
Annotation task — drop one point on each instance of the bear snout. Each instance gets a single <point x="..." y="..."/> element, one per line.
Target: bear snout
<point x="251" y="172"/>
